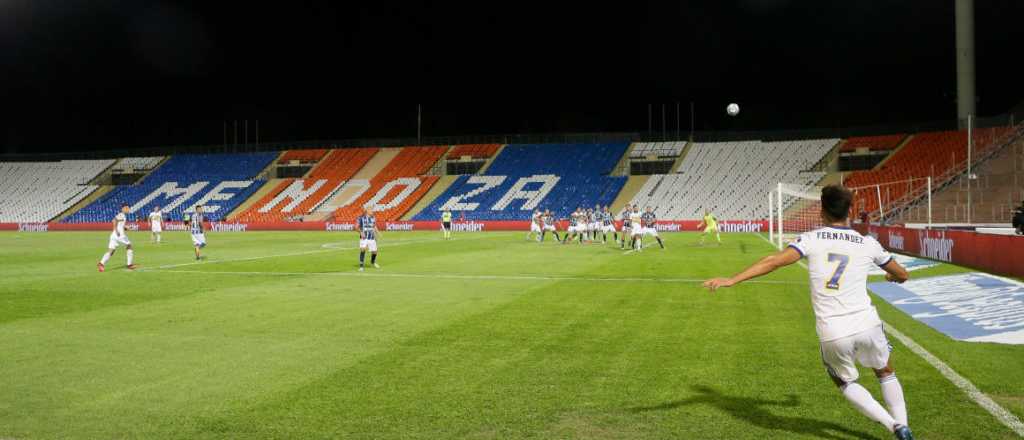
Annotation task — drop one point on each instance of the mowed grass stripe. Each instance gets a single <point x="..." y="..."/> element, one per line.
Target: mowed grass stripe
<point x="269" y="356"/>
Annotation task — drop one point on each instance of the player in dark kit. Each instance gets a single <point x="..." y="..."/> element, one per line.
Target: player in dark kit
<point x="367" y="225"/>
<point x="649" y="220"/>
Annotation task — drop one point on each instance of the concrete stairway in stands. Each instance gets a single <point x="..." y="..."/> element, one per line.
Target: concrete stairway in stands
<point x="632" y="187"/>
<point x="439" y="188"/>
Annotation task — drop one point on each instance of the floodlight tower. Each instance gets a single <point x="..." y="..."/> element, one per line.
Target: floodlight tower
<point x="965" y="91"/>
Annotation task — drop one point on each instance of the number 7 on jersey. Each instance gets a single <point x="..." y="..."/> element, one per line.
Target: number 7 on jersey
<point x="843" y="260"/>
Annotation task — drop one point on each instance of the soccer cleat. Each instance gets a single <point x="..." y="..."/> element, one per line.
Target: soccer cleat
<point x="902" y="432"/>
<point x="360" y="268"/>
<point x="131" y="267"/>
<point x="375" y="265"/>
<point x="101" y="267"/>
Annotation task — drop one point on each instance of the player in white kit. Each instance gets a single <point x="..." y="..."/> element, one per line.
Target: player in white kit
<point x="636" y="229"/>
<point x="848" y="326"/>
<point x="156" y="223"/>
<point x="535" y="226"/>
<point x="118" y="238"/>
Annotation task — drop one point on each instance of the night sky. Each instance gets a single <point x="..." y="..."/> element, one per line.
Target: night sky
<point x="120" y="74"/>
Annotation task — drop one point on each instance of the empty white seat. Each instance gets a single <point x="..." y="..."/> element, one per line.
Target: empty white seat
<point x="33" y="192"/>
<point x="732" y="179"/>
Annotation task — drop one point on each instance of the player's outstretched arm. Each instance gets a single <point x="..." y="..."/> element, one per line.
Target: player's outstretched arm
<point x="895" y="272"/>
<point x="764" y="266"/>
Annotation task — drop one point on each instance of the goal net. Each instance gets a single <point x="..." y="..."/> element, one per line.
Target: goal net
<point x="793" y="209"/>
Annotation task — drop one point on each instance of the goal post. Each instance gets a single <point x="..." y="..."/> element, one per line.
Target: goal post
<point x="794" y="209"/>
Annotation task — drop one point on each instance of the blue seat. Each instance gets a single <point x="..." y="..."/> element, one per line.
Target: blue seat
<point x="190" y="178"/>
<point x="582" y="181"/>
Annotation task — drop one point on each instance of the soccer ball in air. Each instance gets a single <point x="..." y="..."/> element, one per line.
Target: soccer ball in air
<point x="732" y="109"/>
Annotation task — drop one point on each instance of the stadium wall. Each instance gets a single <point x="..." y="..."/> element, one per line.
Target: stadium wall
<point x="999" y="254"/>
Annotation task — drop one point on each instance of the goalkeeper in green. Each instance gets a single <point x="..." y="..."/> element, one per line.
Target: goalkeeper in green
<point x="709" y="224"/>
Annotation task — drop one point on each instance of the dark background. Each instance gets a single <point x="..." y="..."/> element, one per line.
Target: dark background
<point x="81" y="75"/>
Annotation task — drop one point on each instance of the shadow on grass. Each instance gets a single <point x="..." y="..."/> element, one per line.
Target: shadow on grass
<point x="755" y="412"/>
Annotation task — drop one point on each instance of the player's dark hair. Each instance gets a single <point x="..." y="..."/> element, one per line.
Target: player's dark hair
<point x="836" y="201"/>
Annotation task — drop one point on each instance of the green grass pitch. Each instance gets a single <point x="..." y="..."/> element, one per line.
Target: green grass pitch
<point x="487" y="336"/>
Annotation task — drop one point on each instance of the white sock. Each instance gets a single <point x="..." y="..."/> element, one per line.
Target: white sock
<point x="131" y="254"/>
<point x="106" y="257"/>
<point x="867" y="405"/>
<point x="892" y="392"/>
<point x="157" y="238"/>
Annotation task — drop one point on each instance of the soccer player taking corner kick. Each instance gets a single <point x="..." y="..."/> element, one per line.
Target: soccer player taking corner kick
<point x="848" y="326"/>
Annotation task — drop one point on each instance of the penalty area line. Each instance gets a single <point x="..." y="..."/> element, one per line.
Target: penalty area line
<point x="457" y="276"/>
<point x="326" y="247"/>
<point x="983" y="400"/>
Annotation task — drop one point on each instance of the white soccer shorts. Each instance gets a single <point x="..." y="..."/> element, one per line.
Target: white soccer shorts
<point x="199" y="240"/>
<point x="549" y="227"/>
<point x="370" y="245"/>
<point x="116" y="241"/>
<point x="155" y="227"/>
<point x="534" y="227"/>
<point x="651" y="231"/>
<point x="870" y="348"/>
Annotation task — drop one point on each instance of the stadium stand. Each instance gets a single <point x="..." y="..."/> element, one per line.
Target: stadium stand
<point x="396" y="188"/>
<point x="33" y="192"/>
<point x="660" y="149"/>
<point x="475" y="151"/>
<point x="297" y="197"/>
<point x="925" y="154"/>
<point x="873" y="143"/>
<point x="302" y="156"/>
<point x="998" y="189"/>
<point x="522" y="177"/>
<point x="219" y="181"/>
<point x="720" y="176"/>
<point x="138" y="163"/>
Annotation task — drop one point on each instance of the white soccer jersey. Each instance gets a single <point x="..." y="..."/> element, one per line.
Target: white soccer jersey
<point x="838" y="262"/>
<point x="120" y="218"/>
<point x="156" y="217"/>
<point x="635" y="220"/>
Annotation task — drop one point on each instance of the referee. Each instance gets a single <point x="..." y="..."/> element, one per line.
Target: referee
<point x="446" y="224"/>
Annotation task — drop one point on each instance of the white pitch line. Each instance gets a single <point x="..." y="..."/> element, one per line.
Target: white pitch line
<point x="293" y="254"/>
<point x="1007" y="418"/>
<point x="456" y="276"/>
